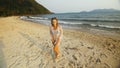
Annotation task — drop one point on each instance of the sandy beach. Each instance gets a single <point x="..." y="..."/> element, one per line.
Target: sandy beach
<point x="25" y="44"/>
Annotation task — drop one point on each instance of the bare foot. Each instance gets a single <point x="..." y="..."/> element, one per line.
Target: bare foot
<point x="57" y="56"/>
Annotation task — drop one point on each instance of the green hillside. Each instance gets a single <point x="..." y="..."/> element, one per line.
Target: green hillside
<point x="21" y="7"/>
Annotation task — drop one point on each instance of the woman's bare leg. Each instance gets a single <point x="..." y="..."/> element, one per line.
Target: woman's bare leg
<point x="56" y="49"/>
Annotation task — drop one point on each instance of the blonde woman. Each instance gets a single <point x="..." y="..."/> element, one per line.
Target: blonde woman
<point x="56" y="33"/>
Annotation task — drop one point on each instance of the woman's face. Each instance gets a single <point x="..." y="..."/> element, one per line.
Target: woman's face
<point x="54" y="22"/>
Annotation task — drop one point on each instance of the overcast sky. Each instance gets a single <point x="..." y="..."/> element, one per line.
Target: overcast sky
<point x="63" y="6"/>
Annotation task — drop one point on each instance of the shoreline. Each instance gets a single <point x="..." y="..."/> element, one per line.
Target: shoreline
<point x="27" y="44"/>
<point x="91" y="30"/>
<point x="82" y="26"/>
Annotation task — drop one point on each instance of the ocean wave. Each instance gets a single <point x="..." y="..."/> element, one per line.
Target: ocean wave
<point x="91" y="20"/>
<point x="93" y="25"/>
<point x="104" y="26"/>
<point x="47" y="21"/>
<point x="79" y="19"/>
<point x="41" y="18"/>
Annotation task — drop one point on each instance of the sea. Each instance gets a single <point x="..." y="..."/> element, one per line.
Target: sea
<point x="84" y="20"/>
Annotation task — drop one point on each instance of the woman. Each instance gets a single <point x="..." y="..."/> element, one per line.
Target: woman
<point x="56" y="34"/>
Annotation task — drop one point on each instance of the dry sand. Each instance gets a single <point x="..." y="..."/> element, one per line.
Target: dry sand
<point x="26" y="44"/>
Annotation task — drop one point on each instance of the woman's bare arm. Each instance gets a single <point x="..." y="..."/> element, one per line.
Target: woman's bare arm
<point x="52" y="39"/>
<point x="61" y="31"/>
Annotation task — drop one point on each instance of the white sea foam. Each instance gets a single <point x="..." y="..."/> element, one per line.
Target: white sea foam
<point x="70" y="23"/>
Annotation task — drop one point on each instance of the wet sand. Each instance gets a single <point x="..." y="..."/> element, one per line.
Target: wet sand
<point x="28" y="45"/>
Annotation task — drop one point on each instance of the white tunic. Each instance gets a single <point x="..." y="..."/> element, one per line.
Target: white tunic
<point x="55" y="33"/>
